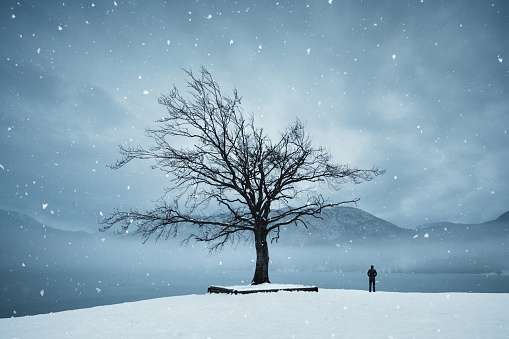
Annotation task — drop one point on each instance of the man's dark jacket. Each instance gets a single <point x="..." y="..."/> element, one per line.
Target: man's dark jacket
<point x="372" y="274"/>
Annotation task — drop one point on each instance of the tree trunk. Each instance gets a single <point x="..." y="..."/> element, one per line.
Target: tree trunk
<point x="262" y="257"/>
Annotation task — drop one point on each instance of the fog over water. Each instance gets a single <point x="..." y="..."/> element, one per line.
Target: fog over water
<point x="47" y="270"/>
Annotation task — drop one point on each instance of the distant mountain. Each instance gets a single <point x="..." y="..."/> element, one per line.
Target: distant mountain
<point x="349" y="239"/>
<point x="26" y="242"/>
<point x="337" y="225"/>
<point x="18" y="224"/>
<point x="503" y="218"/>
<point x="497" y="229"/>
<point x="342" y="224"/>
<point x="342" y="238"/>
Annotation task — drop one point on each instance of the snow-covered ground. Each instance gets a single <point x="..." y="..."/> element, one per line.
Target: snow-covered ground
<point x="326" y="314"/>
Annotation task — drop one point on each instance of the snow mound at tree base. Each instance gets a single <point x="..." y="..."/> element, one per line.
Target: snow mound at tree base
<point x="326" y="314"/>
<point x="261" y="288"/>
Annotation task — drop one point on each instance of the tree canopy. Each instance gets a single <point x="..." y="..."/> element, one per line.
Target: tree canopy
<point x="230" y="179"/>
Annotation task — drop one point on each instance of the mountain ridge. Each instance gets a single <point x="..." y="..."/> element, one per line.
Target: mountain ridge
<point x="346" y="222"/>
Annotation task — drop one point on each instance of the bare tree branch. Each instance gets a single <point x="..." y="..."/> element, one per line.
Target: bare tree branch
<point x="252" y="181"/>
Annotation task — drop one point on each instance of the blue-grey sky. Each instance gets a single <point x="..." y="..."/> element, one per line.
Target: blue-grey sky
<point x="418" y="87"/>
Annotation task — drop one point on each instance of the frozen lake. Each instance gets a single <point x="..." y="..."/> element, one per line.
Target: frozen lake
<point x="26" y="292"/>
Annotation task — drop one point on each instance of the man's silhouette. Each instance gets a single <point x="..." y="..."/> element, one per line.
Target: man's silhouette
<point x="372" y="274"/>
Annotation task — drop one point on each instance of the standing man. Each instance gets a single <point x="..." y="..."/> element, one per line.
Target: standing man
<point x="372" y="274"/>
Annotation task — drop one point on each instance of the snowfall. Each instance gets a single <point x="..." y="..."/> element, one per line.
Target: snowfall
<point x="324" y="314"/>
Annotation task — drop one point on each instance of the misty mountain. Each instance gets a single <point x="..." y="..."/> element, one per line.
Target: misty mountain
<point x="343" y="238"/>
<point x="340" y="225"/>
<point x="349" y="226"/>
<point x="29" y="244"/>
<point x="343" y="225"/>
<point x="495" y="230"/>
<point x="347" y="239"/>
<point x="25" y="240"/>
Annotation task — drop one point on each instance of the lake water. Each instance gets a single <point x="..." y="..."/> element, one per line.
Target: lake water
<point x="25" y="292"/>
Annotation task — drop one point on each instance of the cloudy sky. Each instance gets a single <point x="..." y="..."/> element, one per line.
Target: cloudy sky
<point x="418" y="87"/>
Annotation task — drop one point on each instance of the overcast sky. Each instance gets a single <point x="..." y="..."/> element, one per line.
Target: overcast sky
<point x="418" y="87"/>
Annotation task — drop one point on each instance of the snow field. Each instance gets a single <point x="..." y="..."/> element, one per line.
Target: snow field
<point x="326" y="314"/>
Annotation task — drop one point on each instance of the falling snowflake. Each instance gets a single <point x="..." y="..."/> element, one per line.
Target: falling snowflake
<point x="42" y="293"/>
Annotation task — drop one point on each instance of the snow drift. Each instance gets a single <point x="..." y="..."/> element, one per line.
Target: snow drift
<point x="326" y="314"/>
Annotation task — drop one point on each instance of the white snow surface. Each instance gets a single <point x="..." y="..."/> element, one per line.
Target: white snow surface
<point x="326" y="314"/>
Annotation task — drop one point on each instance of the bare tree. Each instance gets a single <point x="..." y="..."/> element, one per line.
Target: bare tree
<point x="234" y="166"/>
